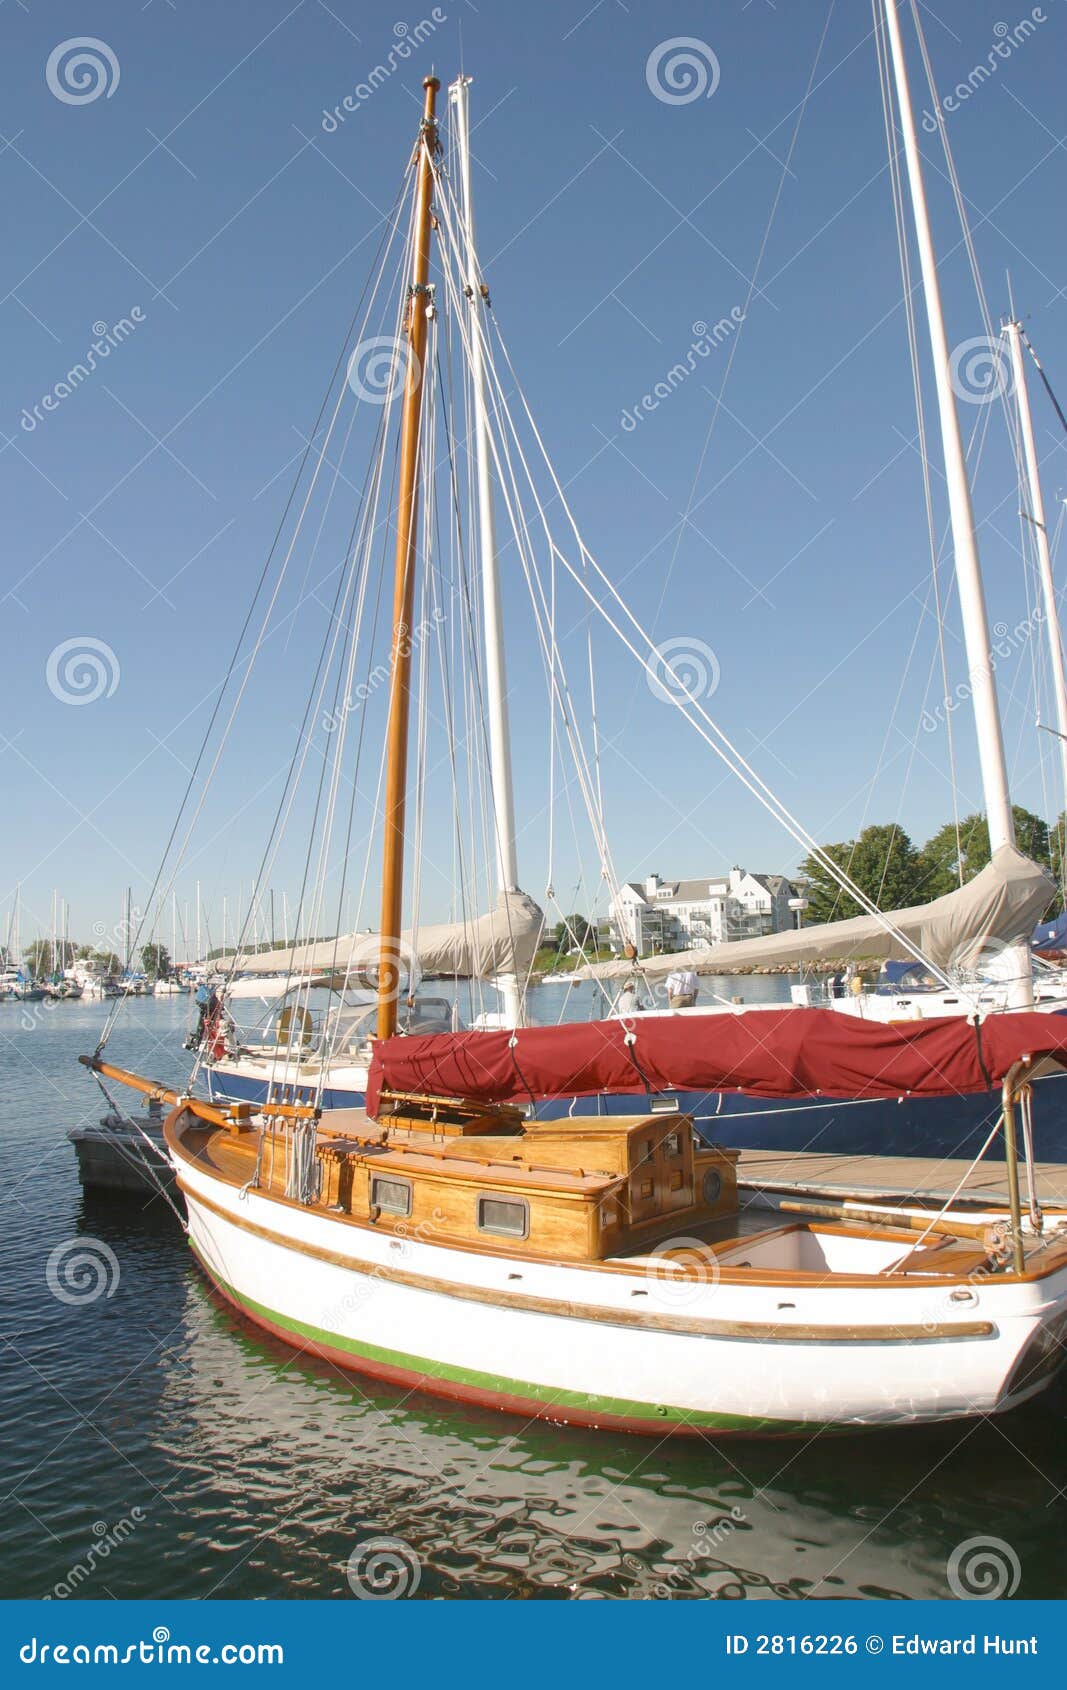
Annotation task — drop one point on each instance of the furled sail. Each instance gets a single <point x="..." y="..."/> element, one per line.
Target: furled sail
<point x="998" y="907"/>
<point x="501" y="942"/>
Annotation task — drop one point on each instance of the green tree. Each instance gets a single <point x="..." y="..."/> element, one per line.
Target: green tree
<point x="39" y="956"/>
<point x="942" y="855"/>
<point x="882" y="862"/>
<point x="155" y="960"/>
<point x="576" y="931"/>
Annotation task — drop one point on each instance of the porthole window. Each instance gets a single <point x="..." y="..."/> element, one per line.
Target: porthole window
<point x="508" y="1216"/>
<point x="391" y="1196"/>
<point x="712" y="1185"/>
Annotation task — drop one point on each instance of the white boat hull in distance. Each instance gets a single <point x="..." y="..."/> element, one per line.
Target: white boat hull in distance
<point x="615" y="1346"/>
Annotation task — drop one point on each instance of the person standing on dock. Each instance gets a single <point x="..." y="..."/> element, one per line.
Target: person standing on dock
<point x="682" y="988"/>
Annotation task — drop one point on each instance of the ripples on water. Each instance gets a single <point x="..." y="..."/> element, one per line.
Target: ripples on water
<point x="168" y="1449"/>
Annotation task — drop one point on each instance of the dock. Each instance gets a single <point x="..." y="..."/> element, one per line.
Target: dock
<point x="795" y="1173"/>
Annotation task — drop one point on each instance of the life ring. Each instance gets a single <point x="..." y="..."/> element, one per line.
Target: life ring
<point x="294" y="1025"/>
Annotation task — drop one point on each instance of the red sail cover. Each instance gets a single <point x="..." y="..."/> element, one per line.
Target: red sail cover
<point x="766" y="1053"/>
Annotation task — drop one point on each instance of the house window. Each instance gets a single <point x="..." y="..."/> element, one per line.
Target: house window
<point x="391" y="1196"/>
<point x="508" y="1216"/>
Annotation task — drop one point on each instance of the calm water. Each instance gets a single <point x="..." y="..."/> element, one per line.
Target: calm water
<point x="205" y="1460"/>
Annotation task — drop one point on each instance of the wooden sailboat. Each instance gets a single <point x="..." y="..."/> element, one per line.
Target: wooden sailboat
<point x="600" y="1271"/>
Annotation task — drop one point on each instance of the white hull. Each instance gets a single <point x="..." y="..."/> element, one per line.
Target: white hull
<point x="879" y="1354"/>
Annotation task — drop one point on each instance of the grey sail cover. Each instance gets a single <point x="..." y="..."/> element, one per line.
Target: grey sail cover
<point x="502" y="942"/>
<point x="1000" y="906"/>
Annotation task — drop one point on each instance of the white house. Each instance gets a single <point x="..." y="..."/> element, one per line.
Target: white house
<point x="678" y="915"/>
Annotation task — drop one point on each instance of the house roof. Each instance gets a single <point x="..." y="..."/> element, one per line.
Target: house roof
<point x="693" y="891"/>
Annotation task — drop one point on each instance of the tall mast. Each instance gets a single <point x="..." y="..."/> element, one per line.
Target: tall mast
<point x="496" y="684"/>
<point x="1013" y="330"/>
<point x="961" y="514"/>
<point x="407" y="522"/>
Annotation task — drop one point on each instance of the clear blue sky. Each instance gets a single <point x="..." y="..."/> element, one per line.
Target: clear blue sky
<point x="205" y="192"/>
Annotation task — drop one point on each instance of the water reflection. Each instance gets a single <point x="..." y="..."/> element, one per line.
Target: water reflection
<point x="256" y="1472"/>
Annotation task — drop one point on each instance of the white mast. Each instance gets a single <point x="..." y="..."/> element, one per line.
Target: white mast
<point x="199" y="956"/>
<point x="496" y="684"/>
<point x="964" y="537"/>
<point x="1013" y="330"/>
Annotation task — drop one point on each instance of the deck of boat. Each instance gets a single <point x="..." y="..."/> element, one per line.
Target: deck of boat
<point x="796" y="1172"/>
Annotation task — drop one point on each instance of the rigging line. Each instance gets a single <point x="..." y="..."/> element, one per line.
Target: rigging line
<point x="721" y="744"/>
<point x="750" y="295"/>
<point x="382" y="246"/>
<point x="1047" y="385"/>
<point x="297" y="530"/>
<point x="560" y="686"/>
<point x="362" y="527"/>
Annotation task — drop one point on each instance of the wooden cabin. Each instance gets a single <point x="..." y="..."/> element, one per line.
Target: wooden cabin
<point x="575" y="1190"/>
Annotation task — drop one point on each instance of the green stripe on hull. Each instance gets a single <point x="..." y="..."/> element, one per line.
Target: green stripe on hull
<point x="495" y="1384"/>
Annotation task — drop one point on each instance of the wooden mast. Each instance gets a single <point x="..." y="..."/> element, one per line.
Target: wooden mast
<point x="407" y="511"/>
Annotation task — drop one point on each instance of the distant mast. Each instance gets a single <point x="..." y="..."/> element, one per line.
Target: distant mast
<point x="407" y="513"/>
<point x="961" y="512"/>
<point x="496" y="682"/>
<point x="1014" y="332"/>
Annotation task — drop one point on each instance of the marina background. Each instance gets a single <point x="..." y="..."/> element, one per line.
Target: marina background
<point x="219" y="1464"/>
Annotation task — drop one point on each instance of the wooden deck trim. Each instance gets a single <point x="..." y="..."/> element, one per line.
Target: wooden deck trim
<point x="682" y="1325"/>
<point x="784" y="1279"/>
